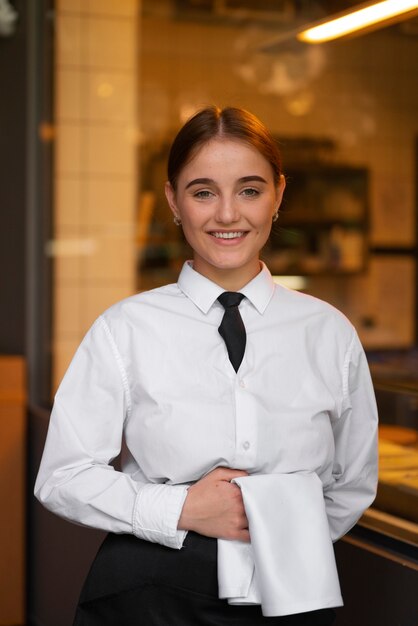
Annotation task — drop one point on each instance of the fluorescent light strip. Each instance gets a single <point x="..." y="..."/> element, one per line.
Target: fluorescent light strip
<point x="357" y="20"/>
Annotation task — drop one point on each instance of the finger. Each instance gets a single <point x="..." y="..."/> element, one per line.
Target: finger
<point x="227" y="473"/>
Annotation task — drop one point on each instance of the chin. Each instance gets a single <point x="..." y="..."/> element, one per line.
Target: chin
<point x="231" y="265"/>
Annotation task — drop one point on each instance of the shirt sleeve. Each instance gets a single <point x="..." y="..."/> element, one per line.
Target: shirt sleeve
<point x="355" y="468"/>
<point x="75" y="479"/>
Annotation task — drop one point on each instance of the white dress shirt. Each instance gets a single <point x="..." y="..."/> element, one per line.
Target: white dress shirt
<point x="154" y="371"/>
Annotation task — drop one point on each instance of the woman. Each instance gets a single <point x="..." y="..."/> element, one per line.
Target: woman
<point x="286" y="412"/>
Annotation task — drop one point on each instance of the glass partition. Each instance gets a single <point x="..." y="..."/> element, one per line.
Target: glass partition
<point x="344" y="114"/>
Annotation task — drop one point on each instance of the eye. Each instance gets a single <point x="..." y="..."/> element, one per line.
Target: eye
<point x="202" y="194"/>
<point x="250" y="192"/>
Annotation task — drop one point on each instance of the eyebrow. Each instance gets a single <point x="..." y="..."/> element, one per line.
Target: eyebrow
<point x="199" y="181"/>
<point x="209" y="181"/>
<point x="254" y="177"/>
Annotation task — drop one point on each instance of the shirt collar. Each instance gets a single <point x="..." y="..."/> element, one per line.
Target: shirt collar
<point x="260" y="289"/>
<point x="203" y="292"/>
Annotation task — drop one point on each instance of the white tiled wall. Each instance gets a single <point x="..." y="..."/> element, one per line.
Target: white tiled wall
<point x="96" y="166"/>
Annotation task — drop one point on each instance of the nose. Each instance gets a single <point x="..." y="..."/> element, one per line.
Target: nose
<point x="227" y="210"/>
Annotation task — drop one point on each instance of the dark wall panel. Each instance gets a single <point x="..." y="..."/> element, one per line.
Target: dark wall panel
<point x="379" y="588"/>
<point x="13" y="99"/>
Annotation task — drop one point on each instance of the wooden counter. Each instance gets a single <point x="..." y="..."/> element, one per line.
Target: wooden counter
<point x="12" y="489"/>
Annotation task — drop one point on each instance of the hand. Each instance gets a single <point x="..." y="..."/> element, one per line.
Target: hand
<point x="214" y="506"/>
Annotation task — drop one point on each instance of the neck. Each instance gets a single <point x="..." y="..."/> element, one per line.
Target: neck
<point x="230" y="280"/>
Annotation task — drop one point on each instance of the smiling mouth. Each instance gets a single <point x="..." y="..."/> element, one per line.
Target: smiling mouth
<point x="233" y="234"/>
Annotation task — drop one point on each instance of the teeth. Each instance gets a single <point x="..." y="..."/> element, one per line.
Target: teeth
<point x="231" y="235"/>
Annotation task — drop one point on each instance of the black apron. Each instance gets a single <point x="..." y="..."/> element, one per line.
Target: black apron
<point x="137" y="583"/>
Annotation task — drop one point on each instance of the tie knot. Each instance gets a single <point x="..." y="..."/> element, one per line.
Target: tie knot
<point x="229" y="299"/>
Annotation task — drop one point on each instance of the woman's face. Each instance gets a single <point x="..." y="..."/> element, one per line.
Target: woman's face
<point x="226" y="197"/>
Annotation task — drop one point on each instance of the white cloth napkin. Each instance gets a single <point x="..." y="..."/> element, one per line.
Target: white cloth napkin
<point x="289" y="567"/>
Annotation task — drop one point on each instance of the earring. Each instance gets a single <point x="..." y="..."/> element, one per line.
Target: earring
<point x="276" y="216"/>
<point x="177" y="220"/>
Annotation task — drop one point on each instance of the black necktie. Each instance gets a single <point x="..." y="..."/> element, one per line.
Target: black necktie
<point x="232" y="329"/>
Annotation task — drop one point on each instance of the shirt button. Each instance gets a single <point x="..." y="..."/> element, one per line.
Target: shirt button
<point x="242" y="384"/>
<point x="246" y="445"/>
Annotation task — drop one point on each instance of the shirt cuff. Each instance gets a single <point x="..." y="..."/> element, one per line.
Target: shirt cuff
<point x="156" y="514"/>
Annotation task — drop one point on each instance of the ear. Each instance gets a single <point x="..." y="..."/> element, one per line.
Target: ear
<point x="279" y="192"/>
<point x="170" y="194"/>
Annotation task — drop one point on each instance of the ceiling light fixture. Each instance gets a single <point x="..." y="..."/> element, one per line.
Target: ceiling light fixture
<point x="368" y="16"/>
